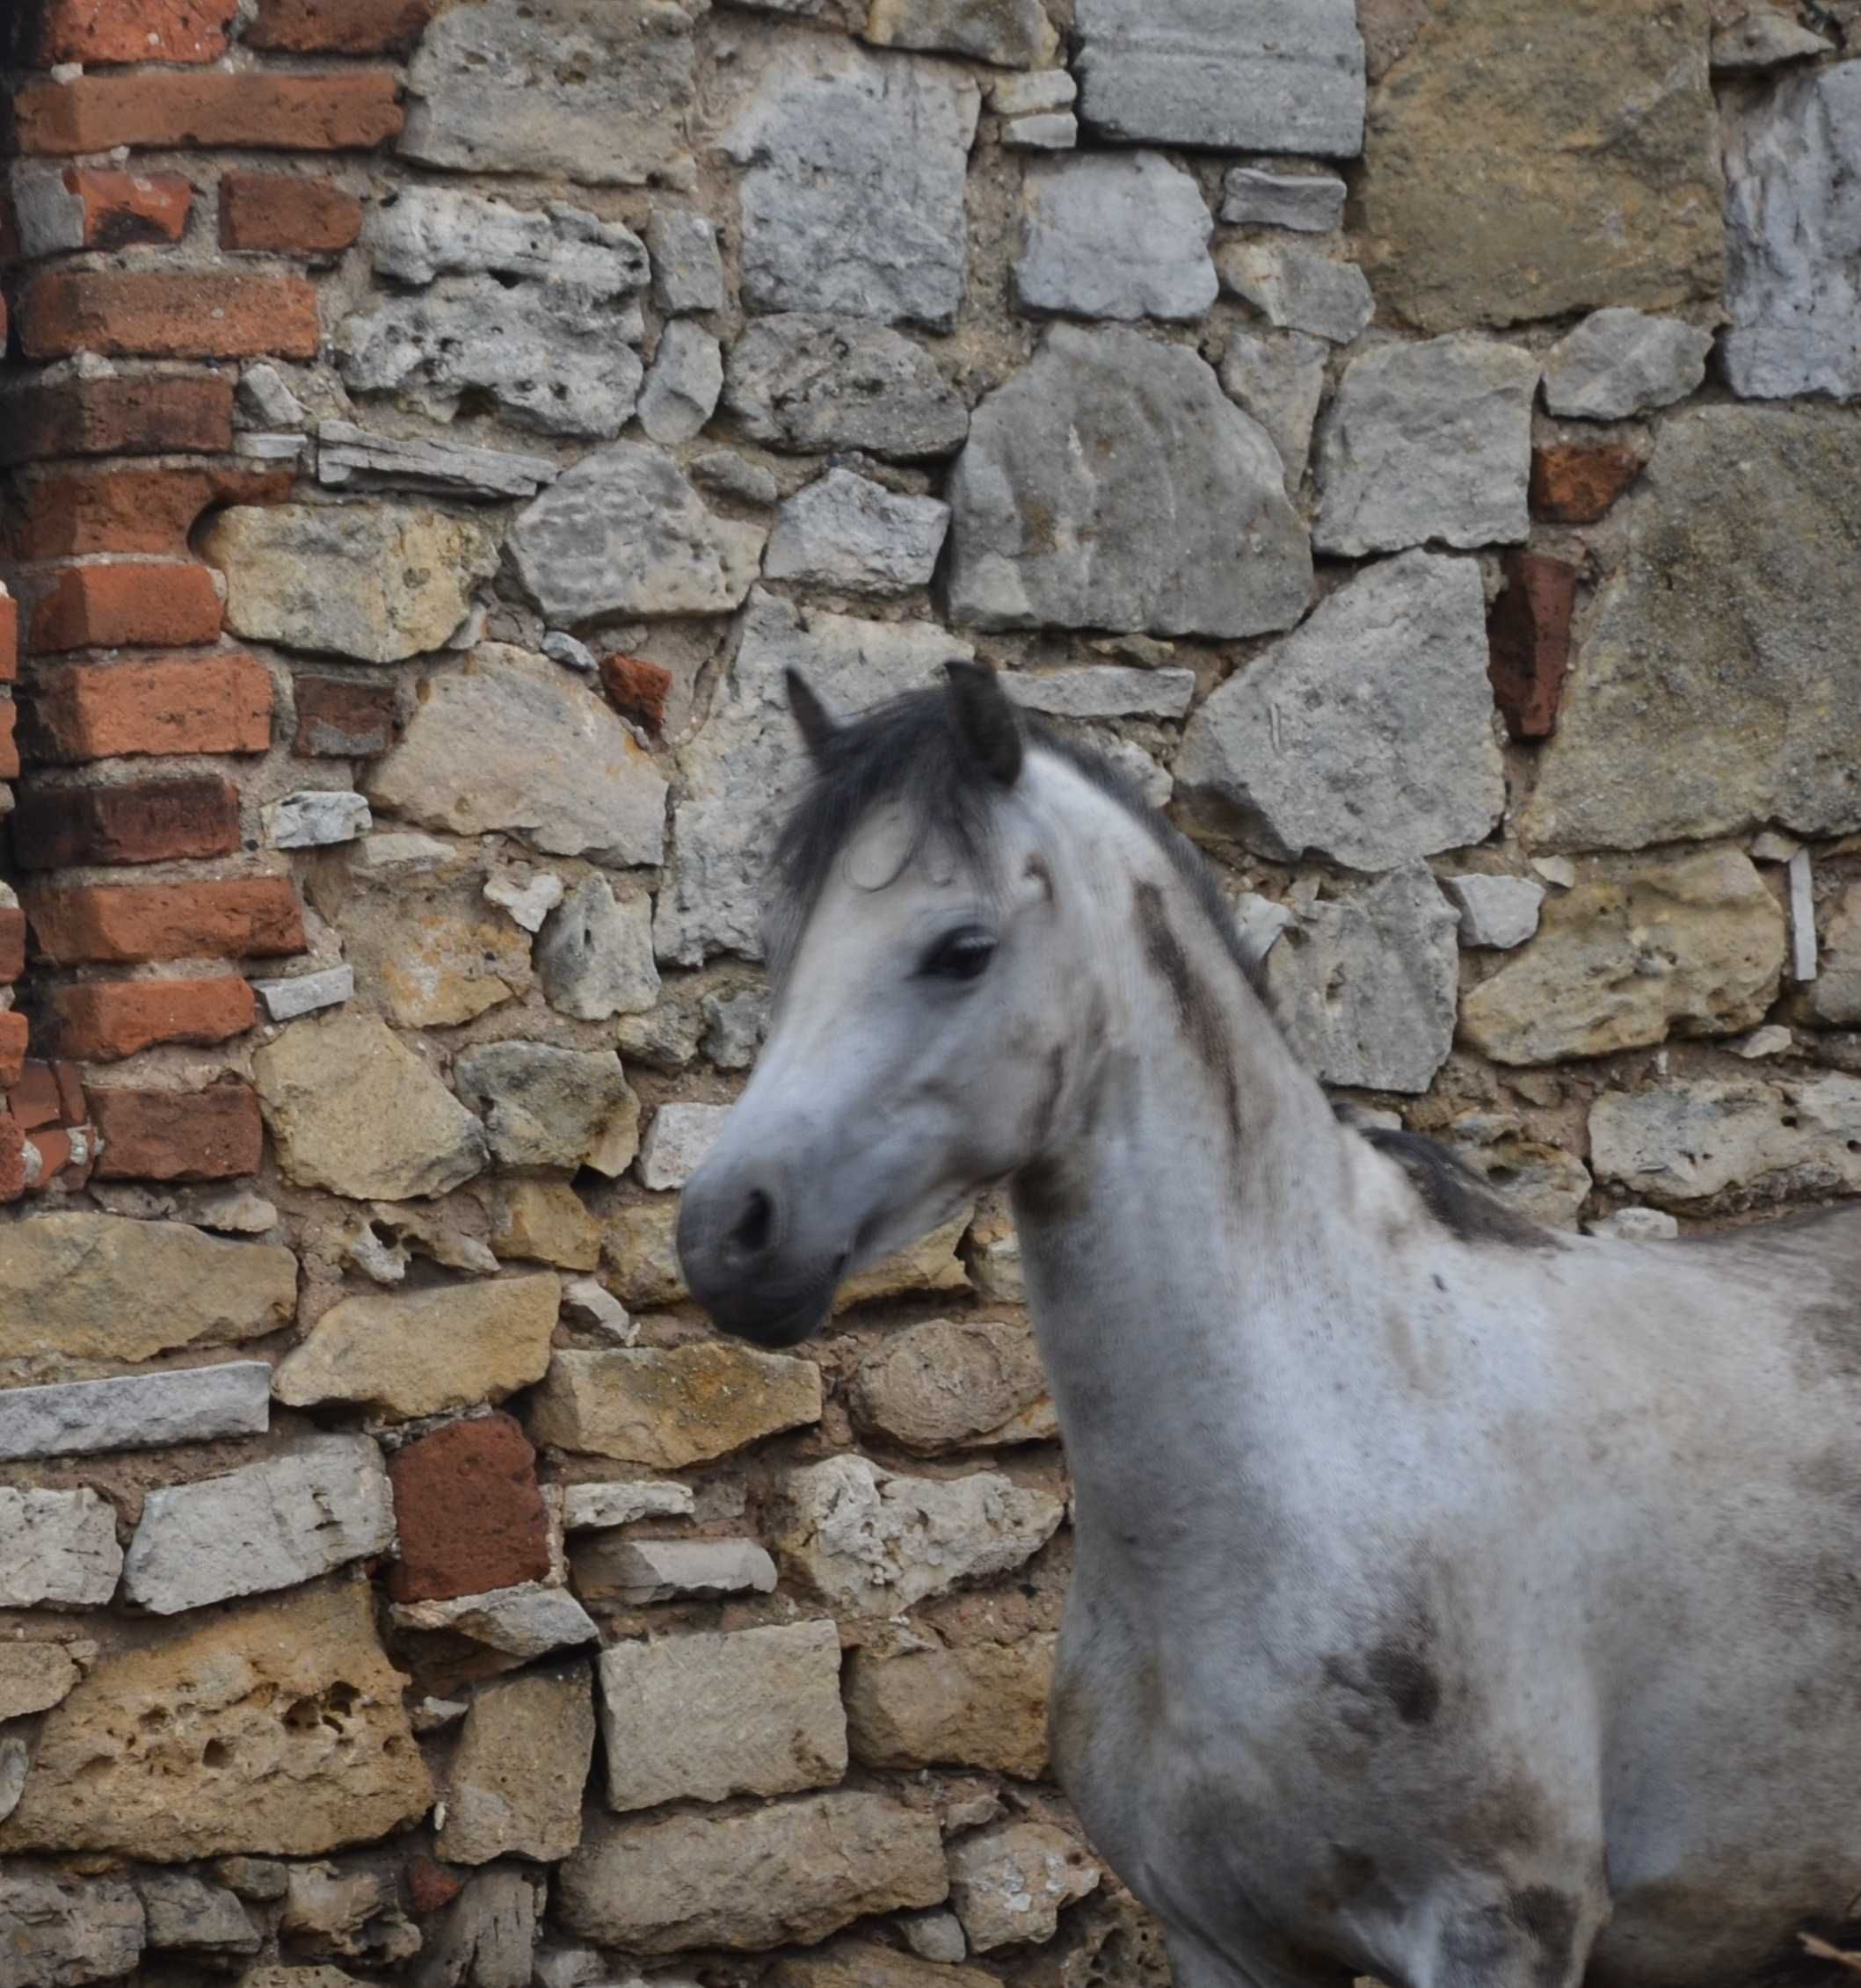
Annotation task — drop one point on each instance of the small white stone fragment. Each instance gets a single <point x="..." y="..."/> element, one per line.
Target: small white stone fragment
<point x="1558" y="871"/>
<point x="1312" y="203"/>
<point x="682" y="384"/>
<point x="386" y="1263"/>
<point x="14" y="1761"/>
<point x="1258" y="921"/>
<point x="271" y="448"/>
<point x="263" y="398"/>
<point x="528" y="903"/>
<point x="526" y="1621"/>
<point x="565" y="650"/>
<point x="596" y="1507"/>
<point x="677" y="1141"/>
<point x="595" y="1303"/>
<point x="688" y="272"/>
<point x="1802" y="917"/>
<point x="434" y="1714"/>
<point x="1497" y="912"/>
<point x="1017" y="95"/>
<point x="1772" y="847"/>
<point x="315" y="819"/>
<point x="1050" y="131"/>
<point x="1772" y="1040"/>
<point x="304" y="993"/>
<point x="667" y="1570"/>
<point x="1637" y="1225"/>
<point x="402" y="852"/>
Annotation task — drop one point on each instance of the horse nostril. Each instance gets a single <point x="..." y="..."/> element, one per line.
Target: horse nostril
<point x="755" y="1227"/>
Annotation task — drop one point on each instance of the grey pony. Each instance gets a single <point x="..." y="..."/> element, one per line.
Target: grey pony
<point x="1455" y="1601"/>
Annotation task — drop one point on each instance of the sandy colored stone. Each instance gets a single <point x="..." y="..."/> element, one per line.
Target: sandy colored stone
<point x="949" y="1382"/>
<point x="100" y="1287"/>
<point x="1009" y="1884"/>
<point x="668" y="1407"/>
<point x="272" y="1727"/>
<point x="515" y="1788"/>
<point x="34" y="1676"/>
<point x="61" y="1930"/>
<point x="983" y="1705"/>
<point x="864" y="1963"/>
<point x="545" y="1106"/>
<point x="1834" y="994"/>
<point x="639" y="1245"/>
<point x="435" y="960"/>
<point x="545" y="1222"/>
<point x="926" y="1268"/>
<point x="422" y="1352"/>
<point x="1542" y="1181"/>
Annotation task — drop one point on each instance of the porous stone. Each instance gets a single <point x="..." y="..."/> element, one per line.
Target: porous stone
<point x="1693" y="947"/>
<point x="470" y="1514"/>
<point x="544" y="1106"/>
<point x="1016" y="33"/>
<point x="793" y="1871"/>
<point x="1115" y="235"/>
<point x="1543" y="1182"/>
<point x="700" y="1718"/>
<point x="624" y="533"/>
<point x="1104" y="690"/>
<point x="379" y="582"/>
<point x="353" y="1110"/>
<point x="596" y="90"/>
<point x="426" y="231"/>
<point x="1793" y="236"/>
<point x="1279" y="378"/>
<point x="853" y="195"/>
<point x="953" y="1384"/>
<point x="687" y="269"/>
<point x="873" y="1542"/>
<point x="667" y="1407"/>
<point x="352" y="458"/>
<point x="1009" y="1884"/>
<point x="746" y="762"/>
<point x="1366" y="735"/>
<point x="598" y="1507"/>
<point x="1297" y="289"/>
<point x="426" y="1352"/>
<point x="1709" y="694"/>
<point x="509" y="741"/>
<point x="515" y="1784"/>
<point x="1497" y="912"/>
<point x="1241" y="76"/>
<point x="138" y="1410"/>
<point x="678" y="1139"/>
<point x="57" y="1546"/>
<point x="595" y="955"/>
<point x="1428" y="442"/>
<point x="1834" y="994"/>
<point x="526" y="1621"/>
<point x="1364" y="986"/>
<point x="63" y="1930"/>
<point x="187" y="1912"/>
<point x="982" y="1705"/>
<point x="272" y="1727"/>
<point x="1622" y="362"/>
<point x="545" y="1222"/>
<point x="803" y="381"/>
<point x="100" y="1286"/>
<point x="1308" y="203"/>
<point x="731" y="475"/>
<point x="638" y="1572"/>
<point x="682" y="383"/>
<point x="1689" y="1139"/>
<point x="269" y="1525"/>
<point x="34" y="1676"/>
<point x="317" y="818"/>
<point x="487" y="1937"/>
<point x="1107" y="485"/>
<point x="849" y="533"/>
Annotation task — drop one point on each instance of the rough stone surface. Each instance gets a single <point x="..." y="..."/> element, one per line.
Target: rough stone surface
<point x="853" y="195"/>
<point x="598" y="1507"/>
<point x="1308" y="203"/>
<point x="351" y="457"/>
<point x="544" y="1106"/>
<point x="353" y="1109"/>
<point x="1107" y="485"/>
<point x="428" y="231"/>
<point x="1541" y="1181"/>
<point x="1249" y="76"/>
<point x="515" y="1784"/>
<point x="1688" y="1140"/>
<point x="1714" y="651"/>
<point x="510" y="740"/>
<point x="682" y="383"/>
<point x="953" y="1384"/>
<point x="1694" y="947"/>
<point x="983" y="1705"/>
<point x="1428" y="442"/>
<point x="803" y="381"/>
<point x="678" y="1139"/>
<point x="184" y="1911"/>
<point x="1009" y="1884"/>
<point x="863" y="1964"/>
<point x="469" y="1513"/>
<point x="487" y="1938"/>
<point x="1834" y="994"/>
<point x="528" y="1621"/>
<point x="377" y="581"/>
<point x="703" y="1716"/>
<point x="1052" y="131"/>
<point x="272" y="1728"/>
<point x="595" y="955"/>
<point x="1104" y="690"/>
<point x="666" y="1407"/>
<point x="1298" y="290"/>
<point x="873" y="1542"/>
<point x="57" y="1546"/>
<point x="1366" y="735"/>
<point x="793" y="1872"/>
<point x="436" y="958"/>
<point x="687" y="269"/>
<point x="318" y="819"/>
<point x="422" y="1352"/>
<point x="545" y="1222"/>
<point x="1364" y="986"/>
<point x="1279" y="378"/>
<point x="1622" y="362"/>
<point x="1591" y="143"/>
<point x="1497" y="911"/>
<point x="637" y="1572"/>
<point x="847" y="532"/>
<point x="63" y="1930"/>
<point x="1115" y="235"/>
<point x="1016" y="33"/>
<point x="137" y="1411"/>
<point x="269" y="1525"/>
<point x="34" y="1676"/>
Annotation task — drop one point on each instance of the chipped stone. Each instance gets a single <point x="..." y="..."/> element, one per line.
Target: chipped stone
<point x="1497" y="912"/>
<point x="544" y="1106"/>
<point x="184" y="1912"/>
<point x="138" y="1410"/>
<point x="853" y="535"/>
<point x="35" y="1676"/>
<point x="264" y="399"/>
<point x="529" y="902"/>
<point x="526" y="1621"/>
<point x="570" y="653"/>
<point x="299" y="994"/>
<point x="1688" y="1140"/>
<point x="592" y="1300"/>
<point x="687" y="269"/>
<point x="486" y="1937"/>
<point x="734" y="1027"/>
<point x="545" y="1222"/>
<point x="62" y="1930"/>
<point x="667" y="1407"/>
<point x="315" y="819"/>
<point x="426" y="231"/>
<point x="1016" y="33"/>
<point x="596" y="1507"/>
<point x="1309" y="203"/>
<point x="806" y="381"/>
<point x="1115" y="235"/>
<point x="515" y="1784"/>
<point x="677" y="1141"/>
<point x="1009" y="1884"/>
<point x="1760" y="39"/>
<point x="1776" y="1041"/>
<point x="57" y="1546"/>
<point x="1279" y="378"/>
<point x="349" y="457"/>
<point x="1622" y="362"/>
<point x="1297" y="289"/>
<point x="639" y="1572"/>
<point x="1543" y="1182"/>
<point x="682" y="384"/>
<point x="730" y="474"/>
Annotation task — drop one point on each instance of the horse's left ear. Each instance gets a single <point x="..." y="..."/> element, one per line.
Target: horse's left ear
<point x="987" y="722"/>
<point x="812" y="719"/>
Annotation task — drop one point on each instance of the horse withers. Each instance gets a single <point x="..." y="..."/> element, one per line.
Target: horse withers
<point x="1455" y="1601"/>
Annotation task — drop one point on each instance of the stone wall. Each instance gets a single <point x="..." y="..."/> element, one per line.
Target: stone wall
<point x="1417" y="442"/>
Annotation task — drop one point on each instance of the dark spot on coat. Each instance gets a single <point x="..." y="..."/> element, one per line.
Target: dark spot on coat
<point x="1406" y="1680"/>
<point x="1535" y="1924"/>
<point x="1455" y="1197"/>
<point x="1204" y="1021"/>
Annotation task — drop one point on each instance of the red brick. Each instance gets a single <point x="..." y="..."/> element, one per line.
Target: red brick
<point x="34" y="1099"/>
<point x="123" y="208"/>
<point x="340" y="718"/>
<point x="212" y="1134"/>
<point x="469" y="1512"/>
<point x="8" y="744"/>
<point x="9" y="637"/>
<point x="129" y="416"/>
<point x="102" y="1021"/>
<point x="638" y="689"/>
<point x="131" y="30"/>
<point x="12" y="943"/>
<point x="124" y="606"/>
<point x="167" y="704"/>
<point x="51" y="1154"/>
<point x="13" y="1046"/>
<point x="355" y="110"/>
<point x="167" y="313"/>
<point x="339" y="27"/>
<point x="239" y="918"/>
<point x="12" y="1159"/>
<point x="142" y="821"/>
<point x="287" y="213"/>
<point x="1528" y="634"/>
<point x="134" y="507"/>
<point x="71" y="1106"/>
<point x="1576" y="483"/>
<point x="429" y="1886"/>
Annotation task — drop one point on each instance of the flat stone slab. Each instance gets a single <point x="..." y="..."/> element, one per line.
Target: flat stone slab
<point x="1308" y="203"/>
<point x="803" y="381"/>
<point x="515" y="1786"/>
<point x="638" y="1572"/>
<point x="1622" y="362"/>
<point x="1115" y="235"/>
<point x="1688" y="1140"/>
<point x="136" y="1411"/>
<point x="847" y="532"/>
<point x="57" y="1547"/>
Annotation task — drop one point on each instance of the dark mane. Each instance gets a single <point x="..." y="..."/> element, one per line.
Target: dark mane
<point x="906" y="750"/>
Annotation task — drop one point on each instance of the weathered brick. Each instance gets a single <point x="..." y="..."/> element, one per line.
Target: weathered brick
<point x="287" y="213"/>
<point x="120" y="415"/>
<point x="212" y="1134"/>
<point x="239" y="918"/>
<point x="140" y="821"/>
<point x="133" y="508"/>
<point x="355" y="110"/>
<point x="340" y="718"/>
<point x="1576" y="483"/>
<point x="9" y="637"/>
<point x="167" y="313"/>
<point x="638" y="689"/>
<point x="101" y="1021"/>
<point x="12" y="1159"/>
<point x="13" y="1046"/>
<point x="9" y="740"/>
<point x="469" y="1514"/>
<point x="130" y="31"/>
<point x="167" y="704"/>
<point x="119" y="606"/>
<point x="51" y="1155"/>
<point x="339" y="27"/>
<point x="71" y="1106"/>
<point x="12" y="942"/>
<point x="1528" y="632"/>
<point x="110" y="209"/>
<point x="33" y="1097"/>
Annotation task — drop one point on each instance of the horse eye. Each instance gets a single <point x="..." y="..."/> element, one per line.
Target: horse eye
<point x="963" y="955"/>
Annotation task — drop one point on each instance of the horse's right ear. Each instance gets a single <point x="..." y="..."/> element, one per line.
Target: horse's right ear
<point x="817" y="724"/>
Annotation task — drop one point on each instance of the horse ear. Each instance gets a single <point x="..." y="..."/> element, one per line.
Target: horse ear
<point x="817" y="724"/>
<point x="987" y="722"/>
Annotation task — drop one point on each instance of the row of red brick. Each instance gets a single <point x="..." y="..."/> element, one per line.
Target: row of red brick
<point x="273" y="213"/>
<point x="167" y="109"/>
<point x="199" y="31"/>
